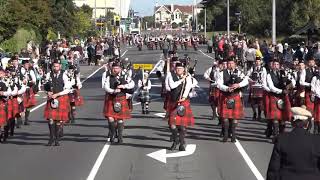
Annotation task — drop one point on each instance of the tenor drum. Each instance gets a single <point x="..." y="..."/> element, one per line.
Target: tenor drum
<point x="256" y="91"/>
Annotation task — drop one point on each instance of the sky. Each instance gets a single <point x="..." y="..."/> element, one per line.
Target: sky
<point x="145" y="7"/>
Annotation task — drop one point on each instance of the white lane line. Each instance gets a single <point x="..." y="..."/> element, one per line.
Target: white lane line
<point x="249" y="162"/>
<point x="206" y="54"/>
<point x="243" y="153"/>
<point x="96" y="166"/>
<point x="44" y="103"/>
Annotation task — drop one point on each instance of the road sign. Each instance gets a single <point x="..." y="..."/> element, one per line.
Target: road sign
<point x="143" y="66"/>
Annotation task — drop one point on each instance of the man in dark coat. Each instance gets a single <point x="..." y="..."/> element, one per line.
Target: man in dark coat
<point x="296" y="154"/>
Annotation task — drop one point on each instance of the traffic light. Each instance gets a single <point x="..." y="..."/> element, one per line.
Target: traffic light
<point x="117" y="21"/>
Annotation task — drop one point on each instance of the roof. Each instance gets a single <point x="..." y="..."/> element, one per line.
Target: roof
<point x="310" y="26"/>
<point x="183" y="9"/>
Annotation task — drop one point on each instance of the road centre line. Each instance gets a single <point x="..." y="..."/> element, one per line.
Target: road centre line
<point x="243" y="153"/>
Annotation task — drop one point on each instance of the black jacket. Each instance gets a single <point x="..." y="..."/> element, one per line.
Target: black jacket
<point x="295" y="156"/>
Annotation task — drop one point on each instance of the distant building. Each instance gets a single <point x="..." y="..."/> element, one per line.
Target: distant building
<point x="102" y="6"/>
<point x="169" y="14"/>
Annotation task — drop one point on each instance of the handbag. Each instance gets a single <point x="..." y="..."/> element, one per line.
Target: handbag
<point x="181" y="110"/>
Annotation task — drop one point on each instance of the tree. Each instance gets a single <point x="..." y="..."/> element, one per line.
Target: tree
<point x="149" y="20"/>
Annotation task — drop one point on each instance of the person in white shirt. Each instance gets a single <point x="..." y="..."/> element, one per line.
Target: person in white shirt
<point x="279" y="105"/>
<point x="144" y="85"/>
<point x="57" y="108"/>
<point x="256" y="93"/>
<point x="212" y="75"/>
<point x="315" y="89"/>
<point x="230" y="82"/>
<point x="180" y="113"/>
<point x="29" y="99"/>
<point x="116" y="107"/>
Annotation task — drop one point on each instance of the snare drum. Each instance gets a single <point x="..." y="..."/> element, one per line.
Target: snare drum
<point x="256" y="91"/>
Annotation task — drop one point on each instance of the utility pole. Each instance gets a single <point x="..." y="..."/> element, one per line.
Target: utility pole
<point x="205" y="22"/>
<point x="228" y="18"/>
<point x="274" y="41"/>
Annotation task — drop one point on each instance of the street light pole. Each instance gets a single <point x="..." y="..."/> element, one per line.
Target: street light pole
<point x="228" y="18"/>
<point x="274" y="22"/>
<point x="205" y="22"/>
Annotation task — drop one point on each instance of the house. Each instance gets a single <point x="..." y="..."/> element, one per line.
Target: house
<point x="169" y="14"/>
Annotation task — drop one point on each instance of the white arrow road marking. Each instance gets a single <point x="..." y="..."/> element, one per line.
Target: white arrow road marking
<point x="162" y="155"/>
<point x="160" y="114"/>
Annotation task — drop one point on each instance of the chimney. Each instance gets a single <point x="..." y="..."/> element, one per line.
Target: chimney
<point x="172" y="7"/>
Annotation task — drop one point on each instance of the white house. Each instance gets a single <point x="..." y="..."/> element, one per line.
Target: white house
<point x="169" y="14"/>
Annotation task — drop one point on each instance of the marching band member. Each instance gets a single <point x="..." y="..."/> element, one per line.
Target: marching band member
<point x="75" y="98"/>
<point x="116" y="108"/>
<point x="256" y="93"/>
<point x="279" y="105"/>
<point x="58" y="103"/>
<point x="29" y="99"/>
<point x="315" y="89"/>
<point x="5" y="92"/>
<point x="15" y="100"/>
<point x="180" y="113"/>
<point x="266" y="100"/>
<point x="144" y="85"/>
<point x="230" y="82"/>
<point x="212" y="75"/>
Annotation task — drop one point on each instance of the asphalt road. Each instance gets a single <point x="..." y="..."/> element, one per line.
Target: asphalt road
<point x="85" y="153"/>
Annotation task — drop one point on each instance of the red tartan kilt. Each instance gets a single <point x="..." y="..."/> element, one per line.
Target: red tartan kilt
<point x="78" y="100"/>
<point x="266" y="103"/>
<point x="186" y="120"/>
<point x="317" y="110"/>
<point x="214" y="95"/>
<point x="108" y="108"/>
<point x="61" y="113"/>
<point x="167" y="103"/>
<point x="236" y="113"/>
<point x="3" y="114"/>
<point x="29" y="101"/>
<point x="308" y="103"/>
<point x="277" y="114"/>
<point x="13" y="108"/>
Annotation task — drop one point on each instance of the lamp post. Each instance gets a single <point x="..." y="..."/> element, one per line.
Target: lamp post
<point x="274" y="22"/>
<point x="228" y="18"/>
<point x="204" y="3"/>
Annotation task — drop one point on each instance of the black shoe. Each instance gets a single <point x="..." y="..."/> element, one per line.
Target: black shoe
<point x="147" y="112"/>
<point x="50" y="142"/>
<point x="175" y="139"/>
<point x="173" y="146"/>
<point x="56" y="143"/>
<point x="182" y="147"/>
<point x="143" y="112"/>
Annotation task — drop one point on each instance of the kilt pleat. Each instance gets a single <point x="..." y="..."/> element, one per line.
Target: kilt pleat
<point x="317" y="110"/>
<point x="125" y="112"/>
<point x="275" y="112"/>
<point x="29" y="99"/>
<point x="61" y="113"/>
<point x="214" y="95"/>
<point x="3" y="113"/>
<point x="13" y="108"/>
<point x="308" y="103"/>
<point x="237" y="112"/>
<point x="266" y="103"/>
<point x="186" y="120"/>
<point x="76" y="98"/>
